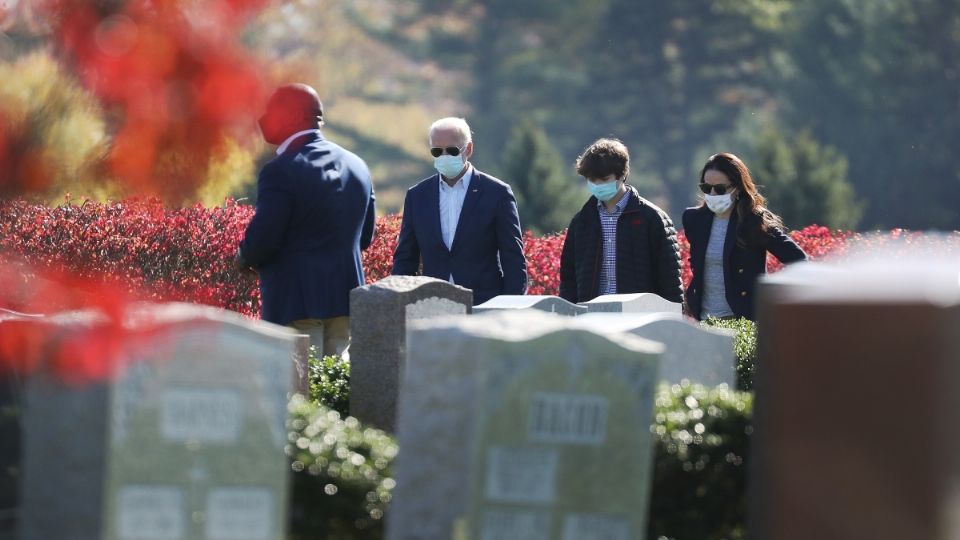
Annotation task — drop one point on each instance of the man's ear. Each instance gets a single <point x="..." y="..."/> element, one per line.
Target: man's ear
<point x="468" y="151"/>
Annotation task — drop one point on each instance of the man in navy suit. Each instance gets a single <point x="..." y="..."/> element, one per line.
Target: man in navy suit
<point x="315" y="213"/>
<point x="461" y="224"/>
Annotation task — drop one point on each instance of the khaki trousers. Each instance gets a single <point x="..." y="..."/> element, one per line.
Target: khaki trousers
<point x="331" y="336"/>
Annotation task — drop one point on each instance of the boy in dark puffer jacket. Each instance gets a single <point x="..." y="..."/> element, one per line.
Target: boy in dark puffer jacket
<point x="618" y="242"/>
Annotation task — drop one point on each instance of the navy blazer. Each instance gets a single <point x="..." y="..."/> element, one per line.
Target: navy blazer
<point x="742" y="265"/>
<point x="315" y="213"/>
<point x="487" y="251"/>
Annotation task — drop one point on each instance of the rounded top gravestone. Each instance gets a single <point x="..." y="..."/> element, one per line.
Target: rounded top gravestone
<point x="379" y="313"/>
<point x="185" y="439"/>
<point x="632" y="303"/>
<point x="694" y="352"/>
<point x="401" y="284"/>
<point x="523" y="424"/>
<point x="550" y="304"/>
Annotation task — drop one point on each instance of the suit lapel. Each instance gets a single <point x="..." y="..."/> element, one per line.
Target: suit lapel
<point x="704" y="232"/>
<point x="300" y="142"/>
<point x="469" y="203"/>
<point x="432" y="201"/>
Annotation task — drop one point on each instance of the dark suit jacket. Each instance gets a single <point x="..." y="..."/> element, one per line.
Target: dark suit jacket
<point x="487" y="253"/>
<point x="315" y="213"/>
<point x="742" y="265"/>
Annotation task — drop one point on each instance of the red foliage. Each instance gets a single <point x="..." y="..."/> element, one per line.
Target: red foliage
<point x="686" y="274"/>
<point x="173" y="77"/>
<point x="543" y="262"/>
<point x="107" y="255"/>
<point x="378" y="258"/>
<point x="92" y="252"/>
<point x="140" y="247"/>
<point x="145" y="250"/>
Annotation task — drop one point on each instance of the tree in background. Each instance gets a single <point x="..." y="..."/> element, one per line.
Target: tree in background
<point x="804" y="181"/>
<point x="668" y="77"/>
<point x="881" y="82"/>
<point x="110" y="99"/>
<point x="59" y="137"/>
<point x="53" y="136"/>
<point x="878" y="81"/>
<point x="497" y="61"/>
<point x="547" y="196"/>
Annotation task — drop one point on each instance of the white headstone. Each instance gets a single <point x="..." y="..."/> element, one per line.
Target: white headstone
<point x="550" y="304"/>
<point x="518" y="424"/>
<point x="699" y="354"/>
<point x="632" y="303"/>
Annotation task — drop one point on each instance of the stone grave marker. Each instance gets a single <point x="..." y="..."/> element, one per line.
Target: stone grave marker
<point x="701" y="355"/>
<point x="11" y="396"/>
<point x="856" y="430"/>
<point x="521" y="425"/>
<point x="185" y="441"/>
<point x="632" y="303"/>
<point x="379" y="314"/>
<point x="550" y="304"/>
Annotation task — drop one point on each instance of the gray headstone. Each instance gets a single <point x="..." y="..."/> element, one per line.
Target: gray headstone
<point x="698" y="354"/>
<point x="379" y="313"/>
<point x="632" y="303"/>
<point x="856" y="432"/>
<point x="185" y="440"/>
<point x="519" y="425"/>
<point x="550" y="304"/>
<point x="11" y="397"/>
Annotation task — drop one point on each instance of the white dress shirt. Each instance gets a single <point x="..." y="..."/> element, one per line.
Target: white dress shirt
<point x="286" y="144"/>
<point x="451" y="203"/>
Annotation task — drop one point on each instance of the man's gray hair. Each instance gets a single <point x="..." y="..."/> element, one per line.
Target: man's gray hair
<point x="453" y="123"/>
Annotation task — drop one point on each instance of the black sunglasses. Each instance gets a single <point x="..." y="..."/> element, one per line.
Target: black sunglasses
<point x="452" y="150"/>
<point x="718" y="189"/>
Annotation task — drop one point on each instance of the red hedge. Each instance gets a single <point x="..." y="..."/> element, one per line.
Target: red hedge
<point x="154" y="252"/>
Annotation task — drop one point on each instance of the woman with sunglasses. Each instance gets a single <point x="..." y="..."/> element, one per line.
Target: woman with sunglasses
<point x="730" y="234"/>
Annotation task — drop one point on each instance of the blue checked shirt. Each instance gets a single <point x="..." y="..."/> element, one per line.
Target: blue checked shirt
<point x="608" y="221"/>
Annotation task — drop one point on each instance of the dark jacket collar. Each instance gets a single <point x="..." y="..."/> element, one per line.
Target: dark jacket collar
<point x="301" y="141"/>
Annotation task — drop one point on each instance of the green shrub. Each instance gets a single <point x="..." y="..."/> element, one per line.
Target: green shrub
<point x="699" y="478"/>
<point x="744" y="346"/>
<point x="329" y="381"/>
<point x="342" y="478"/>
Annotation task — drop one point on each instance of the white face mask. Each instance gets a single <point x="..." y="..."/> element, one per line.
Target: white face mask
<point x="719" y="204"/>
<point x="450" y="166"/>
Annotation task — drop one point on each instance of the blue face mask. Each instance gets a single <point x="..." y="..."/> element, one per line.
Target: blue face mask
<point x="605" y="191"/>
<point x="449" y="166"/>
